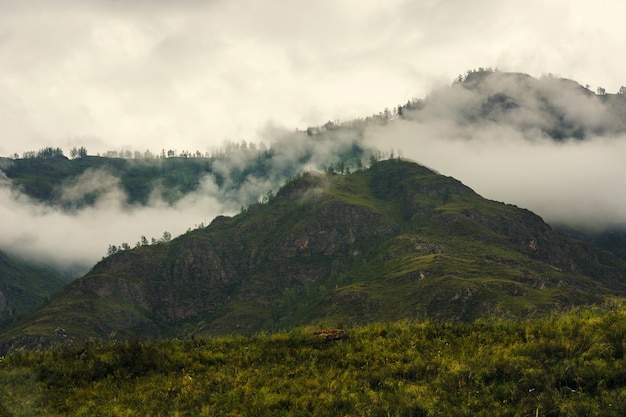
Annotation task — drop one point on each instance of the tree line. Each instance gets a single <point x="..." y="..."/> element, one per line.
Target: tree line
<point x="81" y="152"/>
<point x="143" y="241"/>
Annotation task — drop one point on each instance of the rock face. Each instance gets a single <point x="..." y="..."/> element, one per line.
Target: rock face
<point x="394" y="241"/>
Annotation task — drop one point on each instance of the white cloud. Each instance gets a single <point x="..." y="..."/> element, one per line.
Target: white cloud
<point x="75" y="240"/>
<point x="506" y="155"/>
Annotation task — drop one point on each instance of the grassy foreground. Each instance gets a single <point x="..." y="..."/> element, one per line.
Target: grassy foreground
<point x="569" y="364"/>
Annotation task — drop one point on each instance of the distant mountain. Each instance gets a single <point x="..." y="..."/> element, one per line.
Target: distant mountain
<point x="240" y="175"/>
<point x="393" y="241"/>
<point x="552" y="107"/>
<point x="24" y="285"/>
<point x="613" y="239"/>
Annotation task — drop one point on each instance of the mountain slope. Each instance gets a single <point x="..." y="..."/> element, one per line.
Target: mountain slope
<point x="24" y="286"/>
<point x="394" y="241"/>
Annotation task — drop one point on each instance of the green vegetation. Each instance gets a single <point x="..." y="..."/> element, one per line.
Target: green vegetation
<point x="567" y="364"/>
<point x="24" y="285"/>
<point x="42" y="178"/>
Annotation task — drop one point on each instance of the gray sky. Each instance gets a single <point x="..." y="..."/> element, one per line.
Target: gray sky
<point x="189" y="75"/>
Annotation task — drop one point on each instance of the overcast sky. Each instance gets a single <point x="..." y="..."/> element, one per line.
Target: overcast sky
<point x="189" y="75"/>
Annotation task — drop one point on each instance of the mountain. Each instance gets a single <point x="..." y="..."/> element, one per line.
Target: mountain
<point x="393" y="241"/>
<point x="550" y="107"/>
<point x="24" y="285"/>
<point x="511" y="106"/>
<point x="613" y="240"/>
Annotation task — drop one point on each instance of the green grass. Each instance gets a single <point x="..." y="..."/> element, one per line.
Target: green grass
<point x="567" y="364"/>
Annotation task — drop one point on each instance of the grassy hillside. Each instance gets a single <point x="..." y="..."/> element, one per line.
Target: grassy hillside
<point x="568" y="364"/>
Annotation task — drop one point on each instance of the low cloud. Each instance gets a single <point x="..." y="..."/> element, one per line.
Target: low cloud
<point x="92" y="210"/>
<point x="503" y="149"/>
<point x="92" y="183"/>
<point x="73" y="240"/>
